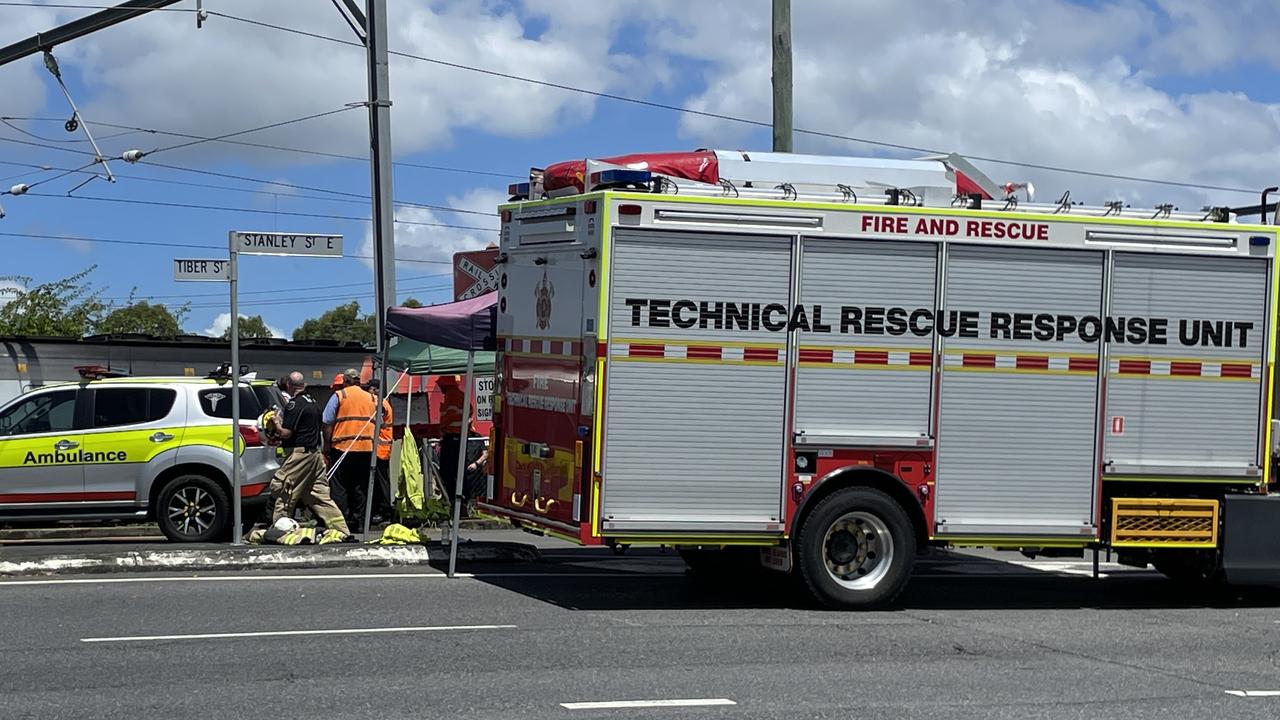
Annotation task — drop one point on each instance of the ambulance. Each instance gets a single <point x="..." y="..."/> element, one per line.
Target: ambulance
<point x="836" y="363"/>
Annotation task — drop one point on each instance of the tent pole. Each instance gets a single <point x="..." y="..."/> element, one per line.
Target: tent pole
<point x="463" y="436"/>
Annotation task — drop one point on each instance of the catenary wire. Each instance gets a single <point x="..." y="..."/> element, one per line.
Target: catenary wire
<point x="283" y="148"/>
<point x="731" y="118"/>
<point x="214" y="248"/>
<point x="344" y="196"/>
<point x="718" y="116"/>
<point x="260" y="211"/>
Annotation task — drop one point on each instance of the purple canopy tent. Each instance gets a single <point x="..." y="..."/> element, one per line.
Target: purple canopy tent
<point x="464" y="325"/>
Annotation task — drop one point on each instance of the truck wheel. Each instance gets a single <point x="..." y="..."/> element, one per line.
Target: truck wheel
<point x="1188" y="567"/>
<point x="193" y="508"/>
<point x="856" y="548"/>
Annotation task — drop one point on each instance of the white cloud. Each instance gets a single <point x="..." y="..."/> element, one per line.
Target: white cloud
<point x="1052" y="82"/>
<point x="223" y="321"/>
<point x="160" y="71"/>
<point x="435" y="244"/>
<point x="7" y="290"/>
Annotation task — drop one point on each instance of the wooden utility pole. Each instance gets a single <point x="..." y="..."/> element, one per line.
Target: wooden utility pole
<point x="782" y="76"/>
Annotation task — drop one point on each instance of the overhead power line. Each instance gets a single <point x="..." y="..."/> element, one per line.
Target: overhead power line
<point x="260" y="211"/>
<point x="343" y="196"/>
<point x="731" y="118"/>
<point x="274" y="291"/>
<point x="712" y="115"/>
<point x="330" y="298"/>
<point x="212" y="248"/>
<point x="281" y="148"/>
<point x="250" y="131"/>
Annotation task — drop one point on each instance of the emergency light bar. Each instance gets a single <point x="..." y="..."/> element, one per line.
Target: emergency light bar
<point x="620" y="176"/>
<point x="518" y="191"/>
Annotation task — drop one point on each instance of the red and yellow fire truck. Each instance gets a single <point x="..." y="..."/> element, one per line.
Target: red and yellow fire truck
<point x="843" y="361"/>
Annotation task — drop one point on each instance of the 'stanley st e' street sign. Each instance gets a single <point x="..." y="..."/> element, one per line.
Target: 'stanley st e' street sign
<point x="274" y="243"/>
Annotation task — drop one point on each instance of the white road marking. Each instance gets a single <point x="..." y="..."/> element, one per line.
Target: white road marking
<point x="617" y="704"/>
<point x="1254" y="693"/>
<point x="358" y="576"/>
<point x="220" y="578"/>
<point x="288" y="633"/>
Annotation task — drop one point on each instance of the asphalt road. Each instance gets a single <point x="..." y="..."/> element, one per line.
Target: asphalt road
<point x="974" y="637"/>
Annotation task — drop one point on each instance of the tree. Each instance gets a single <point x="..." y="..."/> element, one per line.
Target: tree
<point x="343" y="323"/>
<point x="145" y="318"/>
<point x="250" y="327"/>
<point x="70" y="307"/>
<point x="411" y="302"/>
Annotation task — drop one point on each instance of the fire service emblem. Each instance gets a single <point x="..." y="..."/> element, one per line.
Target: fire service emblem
<point x="542" y="294"/>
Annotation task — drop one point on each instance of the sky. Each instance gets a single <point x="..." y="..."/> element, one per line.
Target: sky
<point x="1172" y="90"/>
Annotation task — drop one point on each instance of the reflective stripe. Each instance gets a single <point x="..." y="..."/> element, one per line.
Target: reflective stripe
<point x="353" y="428"/>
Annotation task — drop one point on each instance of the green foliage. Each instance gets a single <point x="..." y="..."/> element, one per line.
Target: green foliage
<point x="343" y="323"/>
<point x="411" y="302"/>
<point x="70" y="307"/>
<point x="142" y="317"/>
<point x="250" y="327"/>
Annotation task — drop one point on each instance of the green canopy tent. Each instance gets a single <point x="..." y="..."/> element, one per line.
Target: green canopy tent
<point x="419" y="358"/>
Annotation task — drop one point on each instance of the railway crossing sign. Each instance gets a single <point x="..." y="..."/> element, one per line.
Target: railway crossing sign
<point x="475" y="273"/>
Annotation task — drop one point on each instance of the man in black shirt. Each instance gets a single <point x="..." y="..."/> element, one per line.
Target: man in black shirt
<point x="301" y="478"/>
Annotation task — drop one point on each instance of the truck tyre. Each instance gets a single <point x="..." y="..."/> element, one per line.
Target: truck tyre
<point x="856" y="549"/>
<point x="1188" y="567"/>
<point x="193" y="508"/>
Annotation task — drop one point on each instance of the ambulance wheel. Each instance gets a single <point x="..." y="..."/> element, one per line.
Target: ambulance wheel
<point x="193" y="508"/>
<point x="856" y="548"/>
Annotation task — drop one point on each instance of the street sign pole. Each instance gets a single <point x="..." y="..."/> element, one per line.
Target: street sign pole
<point x="218" y="270"/>
<point x="260" y="243"/>
<point x="237" y="529"/>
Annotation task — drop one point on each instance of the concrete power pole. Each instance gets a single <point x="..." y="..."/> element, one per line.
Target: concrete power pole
<point x="384" y="246"/>
<point x="782" y="76"/>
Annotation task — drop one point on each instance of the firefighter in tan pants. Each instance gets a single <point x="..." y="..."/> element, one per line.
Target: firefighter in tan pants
<point x="301" y="478"/>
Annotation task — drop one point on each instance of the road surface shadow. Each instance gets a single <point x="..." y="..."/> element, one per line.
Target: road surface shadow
<point x="589" y="579"/>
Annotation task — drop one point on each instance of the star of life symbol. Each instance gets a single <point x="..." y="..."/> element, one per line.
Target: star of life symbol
<point x="485" y="280"/>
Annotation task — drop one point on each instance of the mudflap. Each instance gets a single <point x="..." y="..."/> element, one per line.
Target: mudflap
<point x="1251" y="540"/>
<point x="776" y="558"/>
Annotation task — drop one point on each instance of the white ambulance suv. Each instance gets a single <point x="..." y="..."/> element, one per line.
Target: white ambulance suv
<point x="133" y="448"/>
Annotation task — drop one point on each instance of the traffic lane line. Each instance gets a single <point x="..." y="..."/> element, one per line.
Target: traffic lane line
<point x="1254" y="693"/>
<point x="622" y="704"/>
<point x="354" y="576"/>
<point x="292" y="633"/>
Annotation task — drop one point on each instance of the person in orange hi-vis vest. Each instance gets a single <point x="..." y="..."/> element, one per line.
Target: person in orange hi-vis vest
<point x="451" y="434"/>
<point x="382" y="508"/>
<point x="349" y="416"/>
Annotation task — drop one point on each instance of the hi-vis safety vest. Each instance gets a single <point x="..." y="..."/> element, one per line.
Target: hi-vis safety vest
<point x="451" y="411"/>
<point x="353" y="428"/>
<point x="385" y="438"/>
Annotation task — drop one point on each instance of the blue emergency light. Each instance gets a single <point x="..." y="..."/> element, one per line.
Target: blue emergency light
<point x="620" y="176"/>
<point x="518" y="190"/>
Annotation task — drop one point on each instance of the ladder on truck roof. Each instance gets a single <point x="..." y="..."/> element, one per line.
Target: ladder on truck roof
<point x="938" y="181"/>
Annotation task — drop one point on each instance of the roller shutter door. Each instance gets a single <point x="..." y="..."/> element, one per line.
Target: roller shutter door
<point x="868" y="385"/>
<point x="694" y="431"/>
<point x="1189" y="405"/>
<point x="1018" y="417"/>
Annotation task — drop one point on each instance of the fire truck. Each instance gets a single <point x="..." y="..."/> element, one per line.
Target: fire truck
<point x="835" y="363"/>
